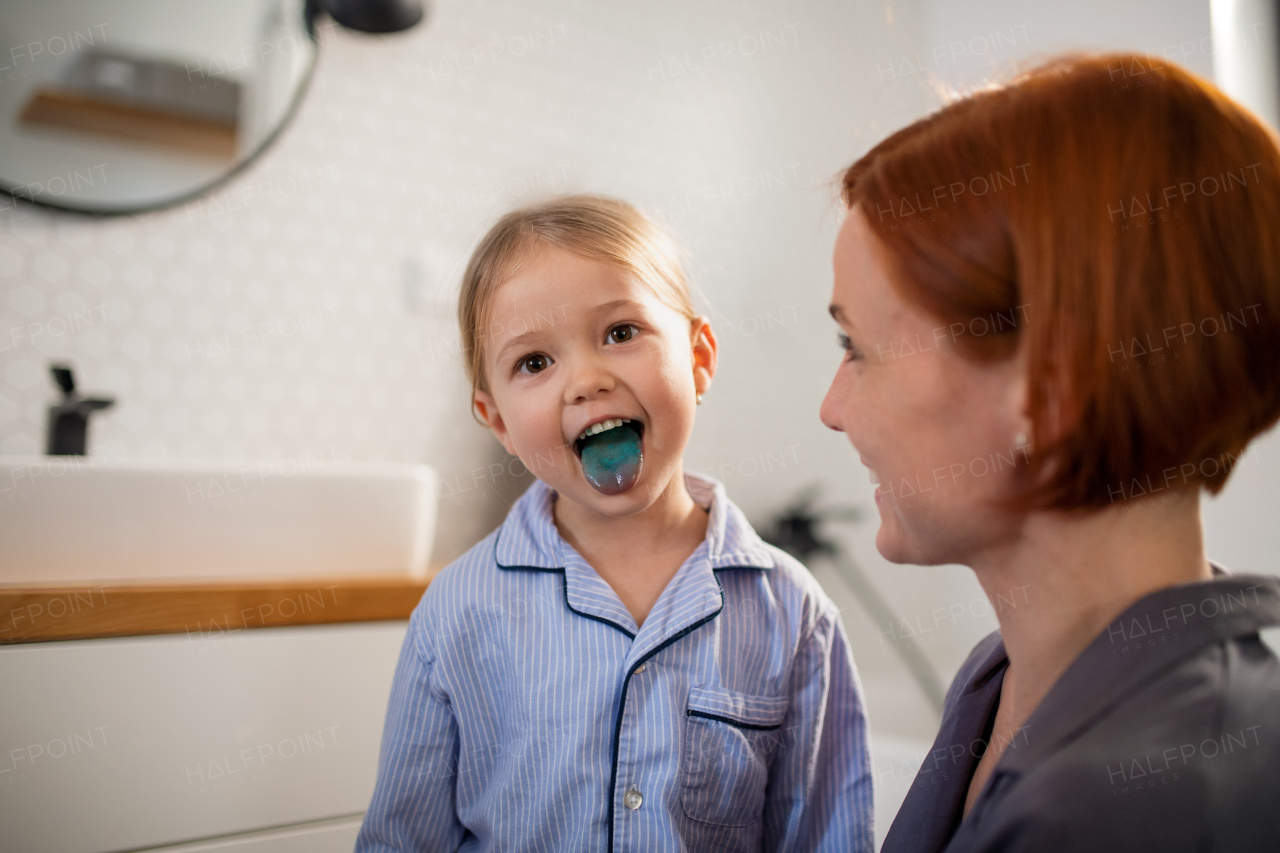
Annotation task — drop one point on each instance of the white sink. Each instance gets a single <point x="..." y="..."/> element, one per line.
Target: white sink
<point x="72" y="519"/>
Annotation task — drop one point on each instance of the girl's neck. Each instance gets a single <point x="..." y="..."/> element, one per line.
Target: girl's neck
<point x="1068" y="575"/>
<point x="637" y="554"/>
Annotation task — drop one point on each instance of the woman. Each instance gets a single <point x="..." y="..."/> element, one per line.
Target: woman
<point x="1075" y="280"/>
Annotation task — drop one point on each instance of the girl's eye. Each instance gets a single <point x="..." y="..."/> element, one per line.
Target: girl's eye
<point x="535" y="363"/>
<point x="622" y="334"/>
<point x="852" y="353"/>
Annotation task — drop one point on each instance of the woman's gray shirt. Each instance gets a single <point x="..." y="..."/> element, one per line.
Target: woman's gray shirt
<point x="1163" y="735"/>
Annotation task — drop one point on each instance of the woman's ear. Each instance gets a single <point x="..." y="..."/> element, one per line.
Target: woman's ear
<point x="1018" y="401"/>
<point x="705" y="347"/>
<point x="483" y="405"/>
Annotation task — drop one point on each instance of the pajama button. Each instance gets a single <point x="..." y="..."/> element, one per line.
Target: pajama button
<point x="640" y="668"/>
<point x="633" y="799"/>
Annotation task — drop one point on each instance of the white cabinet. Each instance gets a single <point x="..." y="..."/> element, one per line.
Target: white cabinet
<point x="140" y="742"/>
<point x="326" y="836"/>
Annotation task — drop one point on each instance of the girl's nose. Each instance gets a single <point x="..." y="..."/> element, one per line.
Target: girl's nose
<point x="589" y="380"/>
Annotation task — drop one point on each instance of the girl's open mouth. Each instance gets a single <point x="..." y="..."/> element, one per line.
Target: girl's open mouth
<point x="612" y="454"/>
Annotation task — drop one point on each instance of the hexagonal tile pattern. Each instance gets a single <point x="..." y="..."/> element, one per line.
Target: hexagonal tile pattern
<point x="50" y="267"/>
<point x="26" y="300"/>
<point x="11" y="262"/>
<point x="23" y="374"/>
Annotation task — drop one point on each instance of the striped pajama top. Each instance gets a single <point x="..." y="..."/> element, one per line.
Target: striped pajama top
<point x="530" y="713"/>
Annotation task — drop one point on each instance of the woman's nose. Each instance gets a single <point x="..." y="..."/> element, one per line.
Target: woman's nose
<point x="831" y="409"/>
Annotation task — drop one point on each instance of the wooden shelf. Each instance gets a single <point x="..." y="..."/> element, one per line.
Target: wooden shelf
<point x="76" y="111"/>
<point x="31" y="614"/>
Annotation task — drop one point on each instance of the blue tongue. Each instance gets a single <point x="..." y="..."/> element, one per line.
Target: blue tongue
<point x="611" y="459"/>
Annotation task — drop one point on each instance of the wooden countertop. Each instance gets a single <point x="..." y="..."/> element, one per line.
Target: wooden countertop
<point x="31" y="614"/>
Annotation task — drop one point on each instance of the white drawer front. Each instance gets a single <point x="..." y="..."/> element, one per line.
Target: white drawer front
<point x="335" y="836"/>
<point x="146" y="741"/>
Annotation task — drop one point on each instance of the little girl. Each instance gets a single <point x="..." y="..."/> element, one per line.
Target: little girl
<point x="623" y="664"/>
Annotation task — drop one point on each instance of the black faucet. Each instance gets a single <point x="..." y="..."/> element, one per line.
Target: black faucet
<point x="69" y="420"/>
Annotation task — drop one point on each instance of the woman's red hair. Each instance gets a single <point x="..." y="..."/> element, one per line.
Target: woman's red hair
<point x="1117" y="218"/>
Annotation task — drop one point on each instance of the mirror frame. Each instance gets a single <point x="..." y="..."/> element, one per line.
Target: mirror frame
<point x="310" y="11"/>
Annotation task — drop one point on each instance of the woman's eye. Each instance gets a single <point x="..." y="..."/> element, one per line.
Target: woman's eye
<point x="852" y="353"/>
<point x="622" y="334"/>
<point x="535" y="363"/>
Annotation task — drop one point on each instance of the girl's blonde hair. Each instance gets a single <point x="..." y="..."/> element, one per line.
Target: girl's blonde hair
<point x="594" y="227"/>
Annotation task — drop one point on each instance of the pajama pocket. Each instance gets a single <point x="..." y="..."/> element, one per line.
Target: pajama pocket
<point x="730" y="739"/>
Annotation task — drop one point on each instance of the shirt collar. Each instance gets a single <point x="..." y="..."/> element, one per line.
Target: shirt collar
<point x="528" y="540"/>
<point x="1151" y="635"/>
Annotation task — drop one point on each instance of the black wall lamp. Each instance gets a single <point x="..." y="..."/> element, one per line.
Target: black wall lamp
<point x="370" y="16"/>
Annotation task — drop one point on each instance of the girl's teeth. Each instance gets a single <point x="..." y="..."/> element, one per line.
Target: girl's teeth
<point x="594" y="429"/>
<point x="875" y="481"/>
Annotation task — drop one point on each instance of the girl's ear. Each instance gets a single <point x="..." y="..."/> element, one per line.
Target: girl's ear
<point x="705" y="346"/>
<point x="483" y="405"/>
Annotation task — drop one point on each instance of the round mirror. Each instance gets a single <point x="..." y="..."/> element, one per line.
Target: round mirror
<point x="121" y="106"/>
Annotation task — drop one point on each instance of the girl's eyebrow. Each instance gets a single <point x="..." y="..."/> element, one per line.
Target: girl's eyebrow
<point x="599" y="310"/>
<point x="609" y="307"/>
<point x="517" y="341"/>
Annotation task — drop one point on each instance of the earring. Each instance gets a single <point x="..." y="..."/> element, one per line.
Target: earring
<point x="699" y="398"/>
<point x="1020" y="439"/>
